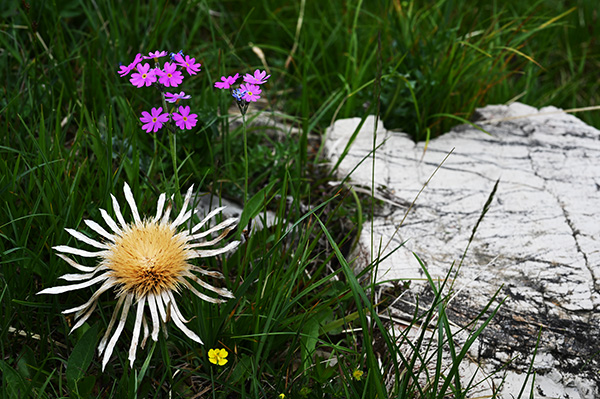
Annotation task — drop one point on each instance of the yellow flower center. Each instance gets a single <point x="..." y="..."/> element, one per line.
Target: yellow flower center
<point x="148" y="258"/>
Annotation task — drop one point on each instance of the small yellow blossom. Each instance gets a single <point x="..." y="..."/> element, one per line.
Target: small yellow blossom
<point x="217" y="356"/>
<point x="281" y="396"/>
<point x="357" y="374"/>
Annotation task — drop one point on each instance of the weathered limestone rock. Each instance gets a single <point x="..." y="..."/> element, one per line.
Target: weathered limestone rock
<point x="539" y="242"/>
<point x="209" y="202"/>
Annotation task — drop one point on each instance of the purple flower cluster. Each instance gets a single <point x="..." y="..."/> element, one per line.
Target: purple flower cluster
<point x="247" y="92"/>
<point x="170" y="75"/>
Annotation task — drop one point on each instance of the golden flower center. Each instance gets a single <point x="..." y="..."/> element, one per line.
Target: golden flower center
<point x="148" y="258"/>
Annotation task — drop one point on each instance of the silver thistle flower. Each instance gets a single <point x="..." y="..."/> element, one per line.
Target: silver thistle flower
<point x="144" y="262"/>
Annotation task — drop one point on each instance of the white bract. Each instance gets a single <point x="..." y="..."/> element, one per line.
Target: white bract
<point x="144" y="262"/>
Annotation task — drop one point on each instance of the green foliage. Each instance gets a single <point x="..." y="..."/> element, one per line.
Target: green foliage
<point x="79" y="382"/>
<point x="302" y="322"/>
<point x="454" y="57"/>
<point x="12" y="382"/>
<point x="438" y="60"/>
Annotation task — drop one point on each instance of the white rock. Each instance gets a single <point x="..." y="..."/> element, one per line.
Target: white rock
<point x="539" y="241"/>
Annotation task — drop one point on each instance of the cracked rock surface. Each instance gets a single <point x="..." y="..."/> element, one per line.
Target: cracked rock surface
<point x="539" y="242"/>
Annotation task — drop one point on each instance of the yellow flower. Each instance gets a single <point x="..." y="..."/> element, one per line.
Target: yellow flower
<point x="217" y="356"/>
<point x="281" y="396"/>
<point x="145" y="262"/>
<point x="357" y="374"/>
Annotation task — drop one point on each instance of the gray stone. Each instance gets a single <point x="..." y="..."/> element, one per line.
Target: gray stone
<point x="207" y="202"/>
<point x="539" y="243"/>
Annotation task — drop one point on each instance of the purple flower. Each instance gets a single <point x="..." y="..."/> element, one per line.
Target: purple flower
<point x="156" y="54"/>
<point x="145" y="76"/>
<point x="258" y="78"/>
<point x="227" y="81"/>
<point x="169" y="76"/>
<point x="173" y="98"/>
<point x="126" y="69"/>
<point x="252" y="92"/>
<point x="154" y="121"/>
<point x="138" y="58"/>
<point x="188" y="63"/>
<point x="183" y="119"/>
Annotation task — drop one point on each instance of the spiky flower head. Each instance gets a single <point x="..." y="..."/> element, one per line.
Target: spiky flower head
<point x="145" y="262"/>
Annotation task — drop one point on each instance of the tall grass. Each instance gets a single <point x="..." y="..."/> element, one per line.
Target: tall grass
<point x="455" y="57"/>
<point x="302" y="322"/>
<point x="442" y="58"/>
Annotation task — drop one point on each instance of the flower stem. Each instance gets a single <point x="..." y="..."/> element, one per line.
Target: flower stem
<point x="173" y="148"/>
<point x="212" y="382"/>
<point x="172" y="145"/>
<point x="245" y="158"/>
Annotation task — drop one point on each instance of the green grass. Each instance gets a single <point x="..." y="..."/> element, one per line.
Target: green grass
<point x="302" y="321"/>
<point x="456" y="57"/>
